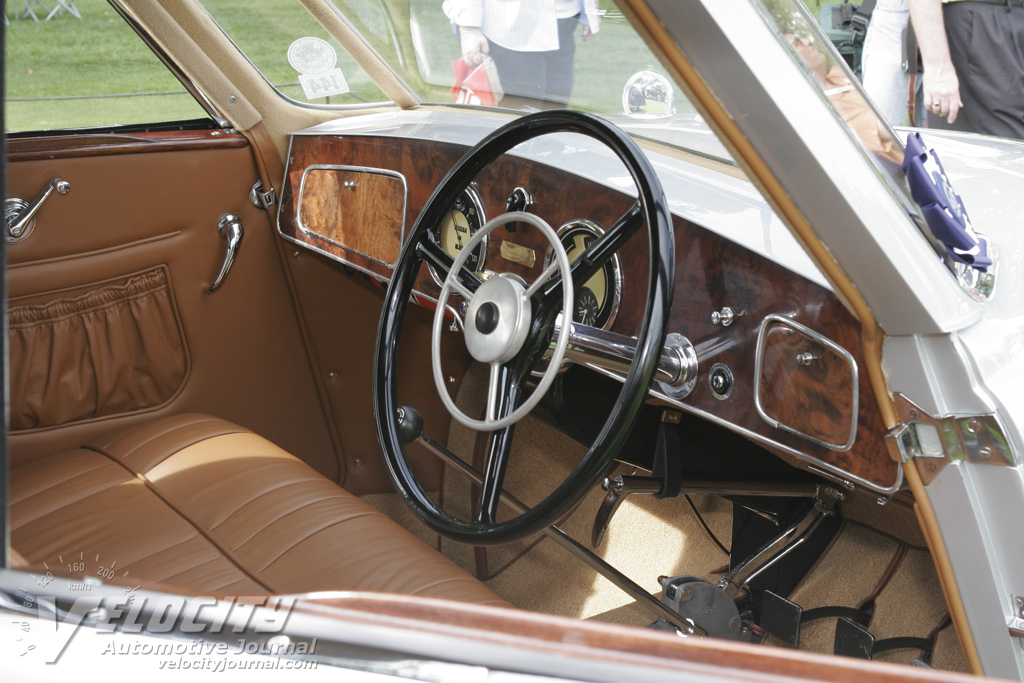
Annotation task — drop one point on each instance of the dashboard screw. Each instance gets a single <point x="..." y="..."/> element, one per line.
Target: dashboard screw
<point x="686" y="594"/>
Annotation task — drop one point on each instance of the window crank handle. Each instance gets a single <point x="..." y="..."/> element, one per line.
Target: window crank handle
<point x="19" y="215"/>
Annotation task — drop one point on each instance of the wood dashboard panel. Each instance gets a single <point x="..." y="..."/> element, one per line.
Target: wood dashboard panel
<point x="711" y="273"/>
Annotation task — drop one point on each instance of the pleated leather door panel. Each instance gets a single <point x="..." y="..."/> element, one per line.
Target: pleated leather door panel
<point x="147" y="206"/>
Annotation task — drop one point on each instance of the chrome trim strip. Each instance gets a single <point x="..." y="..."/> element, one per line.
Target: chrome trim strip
<point x="824" y="341"/>
<point x="354" y="169"/>
<point x="837" y="473"/>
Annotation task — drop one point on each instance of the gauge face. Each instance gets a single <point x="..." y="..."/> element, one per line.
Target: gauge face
<point x="460" y="223"/>
<point x="597" y="301"/>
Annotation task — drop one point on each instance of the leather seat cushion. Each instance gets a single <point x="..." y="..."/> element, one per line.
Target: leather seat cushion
<point x="198" y="502"/>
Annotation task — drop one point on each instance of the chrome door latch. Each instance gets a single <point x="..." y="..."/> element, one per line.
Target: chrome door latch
<point x="20" y="216"/>
<point x="230" y="228"/>
<point x="260" y="198"/>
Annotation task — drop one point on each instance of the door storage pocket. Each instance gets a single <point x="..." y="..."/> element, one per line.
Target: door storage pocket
<point x="108" y="348"/>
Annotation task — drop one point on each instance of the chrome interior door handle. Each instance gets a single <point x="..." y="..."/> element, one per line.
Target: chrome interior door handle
<point x="230" y="228"/>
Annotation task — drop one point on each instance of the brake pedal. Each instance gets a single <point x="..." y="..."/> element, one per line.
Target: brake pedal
<point x="783" y="619"/>
<point x="853" y="640"/>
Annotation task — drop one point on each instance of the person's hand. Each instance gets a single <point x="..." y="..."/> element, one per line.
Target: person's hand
<point x="587" y="33"/>
<point x="942" y="92"/>
<point x="474" y="45"/>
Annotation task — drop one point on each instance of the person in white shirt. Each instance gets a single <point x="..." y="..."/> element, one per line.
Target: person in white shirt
<point x="532" y="43"/>
<point x="884" y="78"/>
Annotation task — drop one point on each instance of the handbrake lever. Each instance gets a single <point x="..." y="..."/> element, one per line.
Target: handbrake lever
<point x="618" y="489"/>
<point x="665" y="482"/>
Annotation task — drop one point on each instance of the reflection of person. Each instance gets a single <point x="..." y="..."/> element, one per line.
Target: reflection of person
<point x="973" y="55"/>
<point x="882" y="64"/>
<point x="847" y="100"/>
<point x="530" y="41"/>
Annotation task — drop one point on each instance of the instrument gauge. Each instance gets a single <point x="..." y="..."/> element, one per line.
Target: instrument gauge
<point x="597" y="301"/>
<point x="460" y="223"/>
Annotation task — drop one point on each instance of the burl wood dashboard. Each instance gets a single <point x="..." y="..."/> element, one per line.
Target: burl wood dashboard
<point x="791" y="350"/>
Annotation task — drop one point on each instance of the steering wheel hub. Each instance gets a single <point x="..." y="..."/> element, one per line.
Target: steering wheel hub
<point x="498" y="320"/>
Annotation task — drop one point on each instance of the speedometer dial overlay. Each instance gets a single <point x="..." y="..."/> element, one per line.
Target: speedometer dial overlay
<point x="597" y="301"/>
<point x="459" y="225"/>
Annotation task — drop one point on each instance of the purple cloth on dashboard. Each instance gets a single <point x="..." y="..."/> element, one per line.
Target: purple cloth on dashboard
<point x="942" y="208"/>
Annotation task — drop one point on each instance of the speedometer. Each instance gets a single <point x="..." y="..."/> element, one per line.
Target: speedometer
<point x="460" y="223"/>
<point x="597" y="301"/>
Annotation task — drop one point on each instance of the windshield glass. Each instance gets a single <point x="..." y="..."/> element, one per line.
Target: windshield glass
<point x="577" y="53"/>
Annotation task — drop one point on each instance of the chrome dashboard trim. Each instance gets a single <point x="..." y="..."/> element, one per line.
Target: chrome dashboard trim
<point x="824" y="341"/>
<point x="838" y="474"/>
<point x="354" y="169"/>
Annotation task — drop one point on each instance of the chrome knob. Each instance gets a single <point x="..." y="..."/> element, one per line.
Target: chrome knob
<point x="725" y="317"/>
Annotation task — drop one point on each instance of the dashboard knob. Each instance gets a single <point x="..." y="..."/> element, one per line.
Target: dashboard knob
<point x="725" y="317"/>
<point x="721" y="381"/>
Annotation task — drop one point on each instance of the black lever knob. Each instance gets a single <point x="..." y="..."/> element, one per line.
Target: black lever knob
<point x="410" y="424"/>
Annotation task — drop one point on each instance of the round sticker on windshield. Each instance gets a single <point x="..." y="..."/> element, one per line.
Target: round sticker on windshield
<point x="312" y="56"/>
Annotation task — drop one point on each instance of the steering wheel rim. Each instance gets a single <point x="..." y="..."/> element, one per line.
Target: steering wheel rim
<point x="654" y="209"/>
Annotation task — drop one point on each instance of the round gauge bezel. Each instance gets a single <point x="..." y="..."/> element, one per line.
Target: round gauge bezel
<point x="472" y="198"/>
<point x="612" y="268"/>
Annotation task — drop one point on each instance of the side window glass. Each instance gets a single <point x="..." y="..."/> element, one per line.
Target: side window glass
<point x="77" y="64"/>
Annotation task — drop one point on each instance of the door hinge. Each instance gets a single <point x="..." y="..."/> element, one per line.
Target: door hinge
<point x="260" y="198"/>
<point x="935" y="442"/>
<point x="1016" y="620"/>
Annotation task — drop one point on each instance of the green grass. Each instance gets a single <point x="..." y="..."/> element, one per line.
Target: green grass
<point x="100" y="55"/>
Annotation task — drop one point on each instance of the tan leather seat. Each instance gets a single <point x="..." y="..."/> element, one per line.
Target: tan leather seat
<point x="204" y="504"/>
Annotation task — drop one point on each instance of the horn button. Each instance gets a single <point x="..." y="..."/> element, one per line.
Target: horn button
<point x="497" y="320"/>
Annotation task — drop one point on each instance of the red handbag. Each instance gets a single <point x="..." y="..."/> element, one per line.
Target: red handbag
<point x="477" y="85"/>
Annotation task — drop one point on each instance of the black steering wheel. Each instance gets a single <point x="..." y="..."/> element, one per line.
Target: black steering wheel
<point x="509" y="326"/>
